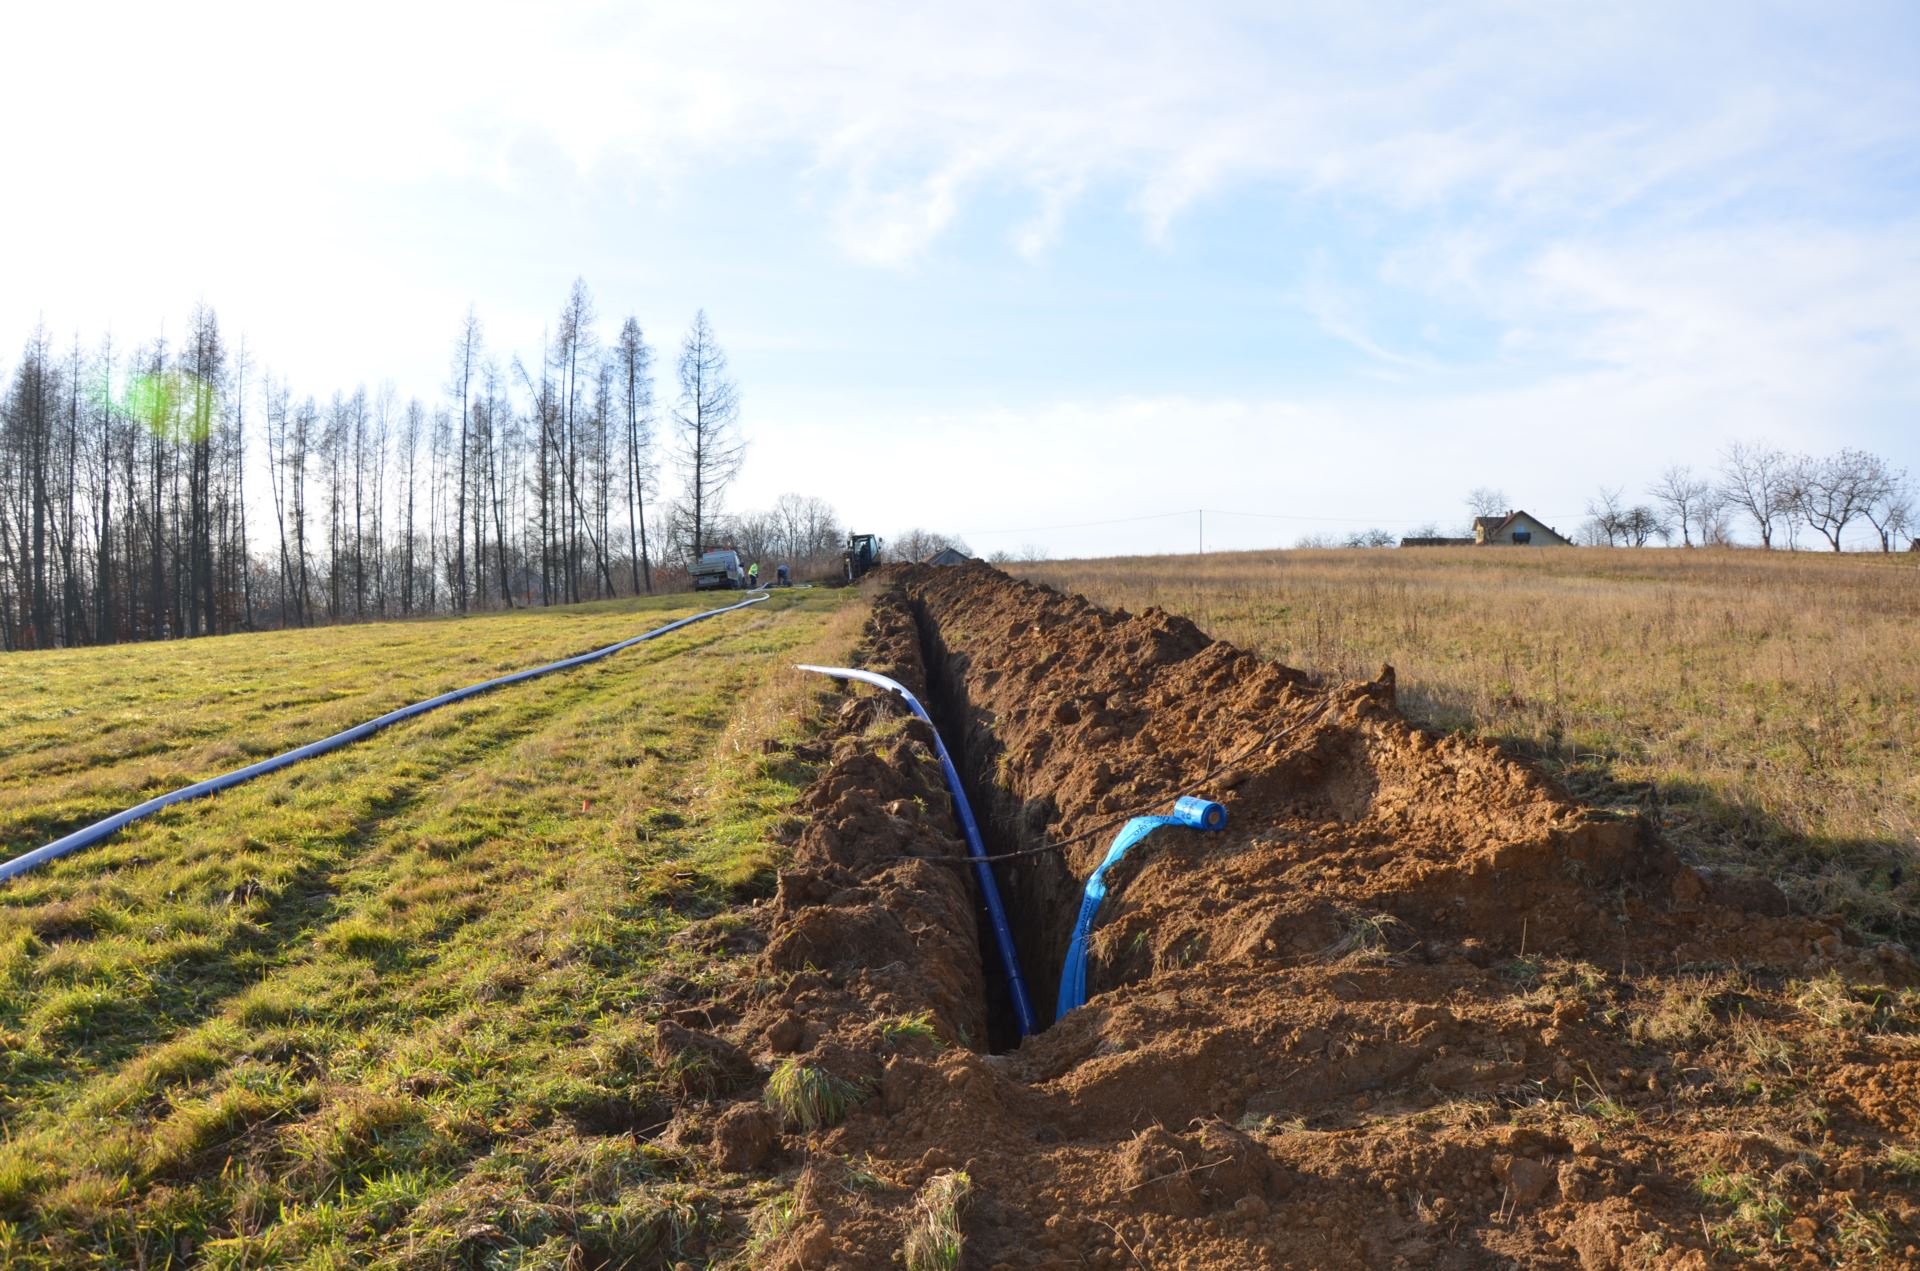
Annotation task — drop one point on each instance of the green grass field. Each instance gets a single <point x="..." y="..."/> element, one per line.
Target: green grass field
<point x="390" y="1006"/>
<point x="1762" y="707"/>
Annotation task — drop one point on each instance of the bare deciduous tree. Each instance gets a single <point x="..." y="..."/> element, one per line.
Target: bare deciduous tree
<point x="1832" y="492"/>
<point x="1757" y="479"/>
<point x="1487" y="501"/>
<point x="466" y="362"/>
<point x="1891" y="512"/>
<point x="1606" y="513"/>
<point x="1612" y="523"/>
<point x="413" y="421"/>
<point x="918" y="545"/>
<point x="633" y="362"/>
<point x="1684" y="496"/>
<point x="1640" y="525"/>
<point x="707" y="418"/>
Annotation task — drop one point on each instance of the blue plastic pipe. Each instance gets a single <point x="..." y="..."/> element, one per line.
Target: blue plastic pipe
<point x="101" y="830"/>
<point x="1191" y="811"/>
<point x="996" y="912"/>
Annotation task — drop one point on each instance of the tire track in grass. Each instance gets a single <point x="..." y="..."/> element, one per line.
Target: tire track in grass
<point x="221" y="926"/>
<point x="130" y="722"/>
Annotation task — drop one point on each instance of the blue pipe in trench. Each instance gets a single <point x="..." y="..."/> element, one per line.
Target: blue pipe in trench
<point x="996" y="912"/>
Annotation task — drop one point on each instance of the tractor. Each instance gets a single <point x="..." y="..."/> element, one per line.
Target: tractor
<point x="863" y="553"/>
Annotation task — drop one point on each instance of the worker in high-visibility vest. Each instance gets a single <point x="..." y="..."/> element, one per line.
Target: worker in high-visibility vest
<point x="753" y="575"/>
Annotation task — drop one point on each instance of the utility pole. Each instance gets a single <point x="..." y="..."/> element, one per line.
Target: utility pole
<point x="1200" y="533"/>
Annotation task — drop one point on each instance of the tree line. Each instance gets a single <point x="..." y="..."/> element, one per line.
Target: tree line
<point x="1771" y="491"/>
<point x="1774" y="493"/>
<point x="127" y="477"/>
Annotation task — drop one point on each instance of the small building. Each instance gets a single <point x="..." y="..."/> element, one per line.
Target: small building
<point x="948" y="556"/>
<point x="1516" y="529"/>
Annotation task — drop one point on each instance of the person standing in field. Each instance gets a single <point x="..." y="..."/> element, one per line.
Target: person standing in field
<point x="753" y="575"/>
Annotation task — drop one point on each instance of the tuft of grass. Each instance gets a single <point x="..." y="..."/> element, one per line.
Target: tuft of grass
<point x="769" y="1225"/>
<point x="1828" y="1002"/>
<point x="358" y="937"/>
<point x="361" y="1136"/>
<point x="268" y="1004"/>
<point x="206" y="1124"/>
<point x="1862" y="1234"/>
<point x="934" y="1241"/>
<point x="909" y="1030"/>
<point x="1903" y="1162"/>
<point x="1859" y="1010"/>
<point x="1367" y="940"/>
<point x="1758" y="1214"/>
<point x="1682" y="1013"/>
<point x="807" y="1098"/>
<point x="634" y="1230"/>
<point x="21" y="1178"/>
<point x="1592" y="1101"/>
<point x="1523" y="972"/>
<point x="864" y="1178"/>
<point x="1762" y="1045"/>
<point x="82" y="1014"/>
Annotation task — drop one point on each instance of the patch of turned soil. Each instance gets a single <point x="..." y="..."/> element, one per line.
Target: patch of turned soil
<point x="1413" y="1008"/>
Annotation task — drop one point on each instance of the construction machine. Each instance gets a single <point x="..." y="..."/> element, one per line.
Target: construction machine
<point x="863" y="553"/>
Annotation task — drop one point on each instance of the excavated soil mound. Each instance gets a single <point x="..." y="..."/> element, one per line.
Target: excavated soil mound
<point x="1414" y="1007"/>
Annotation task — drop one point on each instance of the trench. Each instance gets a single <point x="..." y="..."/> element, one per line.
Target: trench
<point x="1040" y="894"/>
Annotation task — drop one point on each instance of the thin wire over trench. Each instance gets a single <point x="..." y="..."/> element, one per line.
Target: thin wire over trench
<point x="103" y="829"/>
<point x="1272" y="735"/>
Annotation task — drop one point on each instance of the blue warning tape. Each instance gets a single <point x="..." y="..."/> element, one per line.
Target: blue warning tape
<point x="1190" y="811"/>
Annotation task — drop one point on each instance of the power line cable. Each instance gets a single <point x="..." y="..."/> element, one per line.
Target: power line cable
<point x="1081" y="525"/>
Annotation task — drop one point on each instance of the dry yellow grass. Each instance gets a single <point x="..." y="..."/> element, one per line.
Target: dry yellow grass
<point x="1763" y="707"/>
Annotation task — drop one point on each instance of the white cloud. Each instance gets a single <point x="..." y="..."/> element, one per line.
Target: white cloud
<point x="1524" y="111"/>
<point x="1664" y="214"/>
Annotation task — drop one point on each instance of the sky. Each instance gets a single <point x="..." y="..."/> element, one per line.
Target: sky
<point x="1050" y="275"/>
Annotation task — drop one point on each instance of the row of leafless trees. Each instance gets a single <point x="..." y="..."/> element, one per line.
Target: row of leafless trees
<point x="122" y="492"/>
<point x="127" y="477"/>
<point x="1775" y="493"/>
<point x="798" y="530"/>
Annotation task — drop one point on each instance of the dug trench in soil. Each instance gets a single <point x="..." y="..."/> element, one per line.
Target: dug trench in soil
<point x="1040" y="896"/>
<point x="1414" y="1007"/>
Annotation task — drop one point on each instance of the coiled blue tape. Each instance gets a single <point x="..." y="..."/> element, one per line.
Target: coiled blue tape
<point x="1201" y="814"/>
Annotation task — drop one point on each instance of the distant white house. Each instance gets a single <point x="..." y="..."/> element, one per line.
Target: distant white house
<point x="947" y="556"/>
<point x="1517" y="529"/>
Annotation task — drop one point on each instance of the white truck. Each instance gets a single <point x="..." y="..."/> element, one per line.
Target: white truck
<point x="719" y="570"/>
